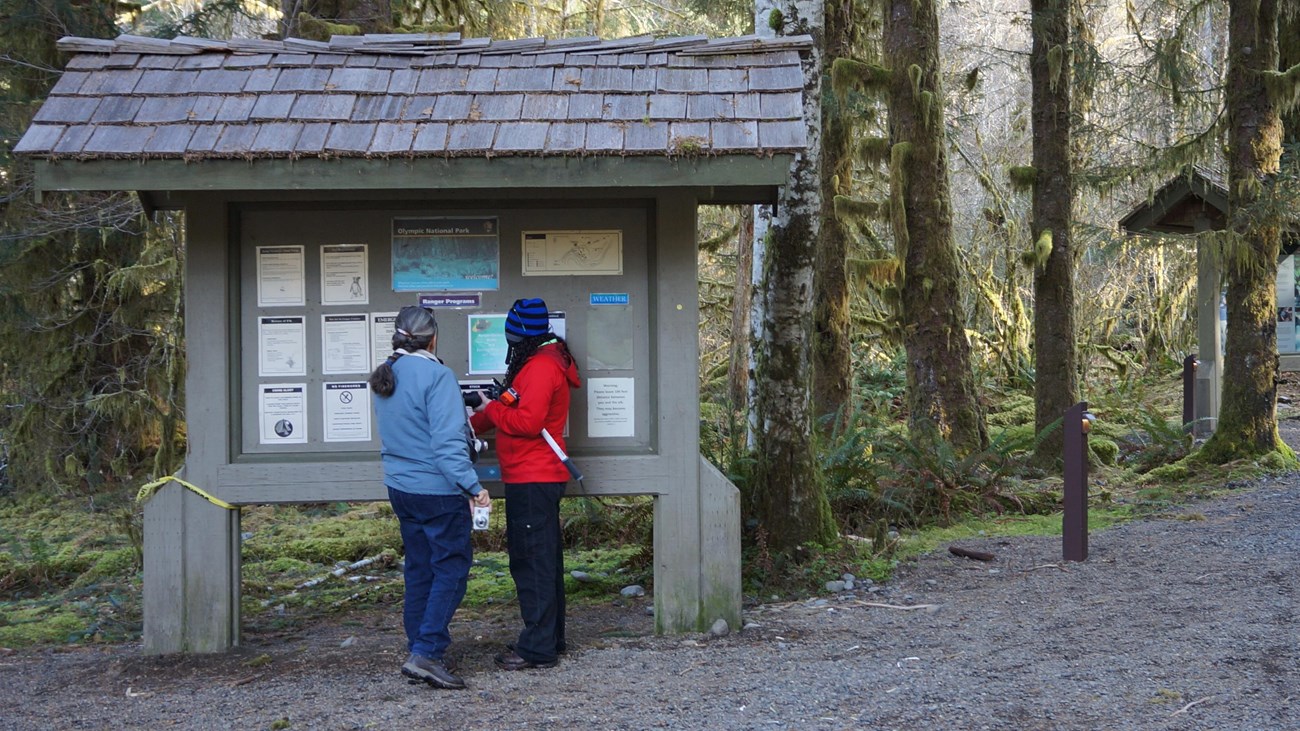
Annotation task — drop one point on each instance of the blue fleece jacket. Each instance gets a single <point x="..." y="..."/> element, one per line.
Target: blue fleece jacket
<point x="423" y="431"/>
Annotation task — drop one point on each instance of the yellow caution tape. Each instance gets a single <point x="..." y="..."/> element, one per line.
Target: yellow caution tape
<point x="147" y="492"/>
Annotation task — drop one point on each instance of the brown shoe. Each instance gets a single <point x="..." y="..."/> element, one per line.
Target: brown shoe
<point x="512" y="661"/>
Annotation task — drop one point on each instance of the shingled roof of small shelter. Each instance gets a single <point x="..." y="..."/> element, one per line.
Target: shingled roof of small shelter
<point x="395" y="96"/>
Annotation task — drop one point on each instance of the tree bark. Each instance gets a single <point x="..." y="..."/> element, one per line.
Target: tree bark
<point x="742" y="295"/>
<point x="832" y="372"/>
<point x="1248" y="418"/>
<point x="1056" y="383"/>
<point x="787" y="497"/>
<point x="941" y="396"/>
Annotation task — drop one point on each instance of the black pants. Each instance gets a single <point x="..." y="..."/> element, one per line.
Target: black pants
<point x="537" y="566"/>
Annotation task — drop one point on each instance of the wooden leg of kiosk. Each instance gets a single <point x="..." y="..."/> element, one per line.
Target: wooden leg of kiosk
<point x="697" y="555"/>
<point x="191" y="574"/>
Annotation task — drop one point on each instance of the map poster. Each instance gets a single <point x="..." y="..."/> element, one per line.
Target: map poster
<point x="282" y="346"/>
<point x="347" y="412"/>
<point x="281" y="275"/>
<point x="572" y="253"/>
<point x="611" y="408"/>
<point x="282" y="411"/>
<point x="345" y="344"/>
<point x="343" y="279"/>
<point x="435" y="254"/>
<point x="381" y="336"/>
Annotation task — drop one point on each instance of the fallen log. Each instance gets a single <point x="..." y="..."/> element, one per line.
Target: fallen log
<point x="968" y="553"/>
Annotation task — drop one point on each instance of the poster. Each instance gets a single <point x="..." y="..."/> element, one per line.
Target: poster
<point x="446" y="254"/>
<point x="487" y="341"/>
<point x="381" y="336"/>
<point x="611" y="407"/>
<point x="572" y="253"/>
<point x="281" y="276"/>
<point x="282" y="411"/>
<point x="343" y="277"/>
<point x="281" y="346"/>
<point x="345" y="343"/>
<point x="347" y="412"/>
<point x="487" y="344"/>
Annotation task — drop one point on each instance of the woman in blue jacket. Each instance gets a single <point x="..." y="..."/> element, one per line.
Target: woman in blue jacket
<point x="429" y="473"/>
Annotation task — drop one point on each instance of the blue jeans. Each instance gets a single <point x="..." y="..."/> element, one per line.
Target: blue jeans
<point x="435" y="534"/>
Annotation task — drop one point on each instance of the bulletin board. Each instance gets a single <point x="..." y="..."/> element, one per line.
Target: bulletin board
<point x="319" y="290"/>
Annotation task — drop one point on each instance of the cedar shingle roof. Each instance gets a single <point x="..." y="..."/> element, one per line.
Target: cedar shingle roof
<point x="390" y="96"/>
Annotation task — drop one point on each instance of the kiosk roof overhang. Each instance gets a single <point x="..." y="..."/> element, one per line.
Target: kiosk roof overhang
<point x="423" y="112"/>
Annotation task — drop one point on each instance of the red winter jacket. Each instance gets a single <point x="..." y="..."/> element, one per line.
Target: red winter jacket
<point x="543" y="386"/>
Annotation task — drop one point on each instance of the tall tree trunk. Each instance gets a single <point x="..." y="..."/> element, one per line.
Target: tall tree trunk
<point x="1248" y="417"/>
<point x="832" y="378"/>
<point x="941" y="395"/>
<point x="742" y="295"/>
<point x="788" y="498"/>
<point x="1056" y="384"/>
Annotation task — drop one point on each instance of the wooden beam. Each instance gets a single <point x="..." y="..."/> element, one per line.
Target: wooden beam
<point x="750" y="174"/>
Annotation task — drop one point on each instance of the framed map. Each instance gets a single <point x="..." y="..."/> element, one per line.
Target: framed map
<point x="572" y="253"/>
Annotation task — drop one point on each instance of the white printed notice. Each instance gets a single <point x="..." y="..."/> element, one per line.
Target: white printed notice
<point x="281" y="276"/>
<point x="572" y="253"/>
<point x="343" y="279"/>
<point x="282" y="409"/>
<point x="381" y="336"/>
<point x="345" y="343"/>
<point x="611" y="407"/>
<point x="347" y="412"/>
<point x="281" y="346"/>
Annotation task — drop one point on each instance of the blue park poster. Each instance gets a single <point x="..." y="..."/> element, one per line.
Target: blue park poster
<point x="446" y="254"/>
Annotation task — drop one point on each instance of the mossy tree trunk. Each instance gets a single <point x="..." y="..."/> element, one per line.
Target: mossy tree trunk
<point x="319" y="19"/>
<point x="786" y="495"/>
<point x="742" y="295"/>
<point x="1056" y="382"/>
<point x="1248" y="417"/>
<point x="832" y="379"/>
<point x="941" y="396"/>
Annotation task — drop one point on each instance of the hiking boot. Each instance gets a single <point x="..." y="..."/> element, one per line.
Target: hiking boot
<point x="434" y="672"/>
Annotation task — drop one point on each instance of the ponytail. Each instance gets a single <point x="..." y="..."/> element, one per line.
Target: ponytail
<point x="383" y="381"/>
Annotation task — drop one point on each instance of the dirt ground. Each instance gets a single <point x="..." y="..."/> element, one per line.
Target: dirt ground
<point x="1183" y="621"/>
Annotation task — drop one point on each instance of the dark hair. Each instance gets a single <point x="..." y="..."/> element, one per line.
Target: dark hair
<point x="383" y="381"/>
<point x="520" y="352"/>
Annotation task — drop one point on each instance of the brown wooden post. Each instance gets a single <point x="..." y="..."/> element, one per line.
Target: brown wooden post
<point x="1074" y="521"/>
<point x="1189" y="390"/>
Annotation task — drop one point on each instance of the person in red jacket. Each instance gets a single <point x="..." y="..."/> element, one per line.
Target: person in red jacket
<point x="540" y="371"/>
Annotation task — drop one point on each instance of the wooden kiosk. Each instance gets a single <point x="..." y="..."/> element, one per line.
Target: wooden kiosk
<point x="327" y="185"/>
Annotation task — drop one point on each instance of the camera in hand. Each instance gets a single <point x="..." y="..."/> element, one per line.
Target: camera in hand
<point x="473" y="400"/>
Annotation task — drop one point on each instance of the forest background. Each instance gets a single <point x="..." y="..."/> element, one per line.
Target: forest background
<point x="91" y="318"/>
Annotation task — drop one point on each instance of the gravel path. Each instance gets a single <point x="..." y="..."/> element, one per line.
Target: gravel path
<point x="1183" y="622"/>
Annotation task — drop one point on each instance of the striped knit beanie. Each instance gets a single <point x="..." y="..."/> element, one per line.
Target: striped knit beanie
<point x="527" y="318"/>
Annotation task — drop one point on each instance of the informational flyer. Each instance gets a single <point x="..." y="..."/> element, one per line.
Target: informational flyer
<point x="345" y="343"/>
<point x="487" y="344"/>
<point x="282" y="346"/>
<point x="343" y="275"/>
<point x="381" y="336"/>
<point x="282" y="411"/>
<point x="431" y="254"/>
<point x="572" y="253"/>
<point x="611" y="407"/>
<point x="281" y="276"/>
<point x="347" y="411"/>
